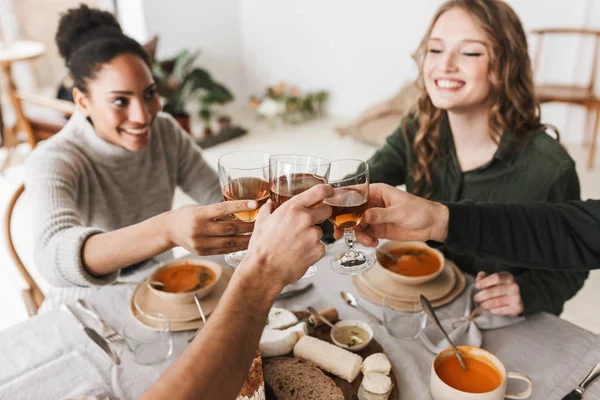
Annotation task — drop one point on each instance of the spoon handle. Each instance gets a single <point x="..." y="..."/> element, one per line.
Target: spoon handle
<point x="316" y="316"/>
<point x="431" y="314"/>
<point x="369" y="314"/>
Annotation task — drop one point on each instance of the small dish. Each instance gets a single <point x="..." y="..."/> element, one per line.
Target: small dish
<point x="406" y="279"/>
<point x="351" y="335"/>
<point x="201" y="276"/>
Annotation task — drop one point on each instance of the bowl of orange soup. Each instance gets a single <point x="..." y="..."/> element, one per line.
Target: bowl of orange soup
<point x="417" y="263"/>
<point x="180" y="280"/>
<point x="485" y="379"/>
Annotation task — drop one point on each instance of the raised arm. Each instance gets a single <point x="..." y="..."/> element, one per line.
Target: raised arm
<point x="216" y="364"/>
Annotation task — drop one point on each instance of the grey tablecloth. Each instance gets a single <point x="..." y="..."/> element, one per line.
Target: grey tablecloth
<point x="48" y="356"/>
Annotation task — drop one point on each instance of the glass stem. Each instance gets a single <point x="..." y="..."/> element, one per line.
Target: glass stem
<point x="350" y="238"/>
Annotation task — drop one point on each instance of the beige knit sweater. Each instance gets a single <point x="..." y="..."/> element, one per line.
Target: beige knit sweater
<point x="81" y="185"/>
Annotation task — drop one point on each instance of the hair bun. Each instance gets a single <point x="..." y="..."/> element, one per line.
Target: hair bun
<point x="81" y="25"/>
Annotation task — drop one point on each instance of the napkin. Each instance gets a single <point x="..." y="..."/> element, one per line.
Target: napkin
<point x="464" y="330"/>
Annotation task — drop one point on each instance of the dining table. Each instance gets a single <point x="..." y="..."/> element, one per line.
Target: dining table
<point x="48" y="356"/>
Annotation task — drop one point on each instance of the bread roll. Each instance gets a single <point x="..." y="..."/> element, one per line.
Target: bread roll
<point x="329" y="357"/>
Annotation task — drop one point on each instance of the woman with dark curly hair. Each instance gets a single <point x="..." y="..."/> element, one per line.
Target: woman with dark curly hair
<point x="475" y="134"/>
<point x="103" y="188"/>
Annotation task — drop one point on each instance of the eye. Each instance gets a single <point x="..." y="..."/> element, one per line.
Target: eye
<point x="120" y="101"/>
<point x="150" y="94"/>
<point x="472" y="54"/>
<point x="435" y="51"/>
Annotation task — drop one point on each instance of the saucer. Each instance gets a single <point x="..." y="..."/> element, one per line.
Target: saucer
<point x="435" y="289"/>
<point x="144" y="303"/>
<point x="375" y="296"/>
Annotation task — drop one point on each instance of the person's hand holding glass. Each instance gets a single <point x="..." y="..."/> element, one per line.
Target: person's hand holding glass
<point x="350" y="181"/>
<point x="292" y="174"/>
<point x="244" y="175"/>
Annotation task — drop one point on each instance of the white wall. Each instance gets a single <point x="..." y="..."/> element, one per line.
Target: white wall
<point x="212" y="26"/>
<point x="360" y="51"/>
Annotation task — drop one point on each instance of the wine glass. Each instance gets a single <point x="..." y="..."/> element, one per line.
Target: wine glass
<point x="350" y="182"/>
<point x="244" y="175"/>
<point x="292" y="174"/>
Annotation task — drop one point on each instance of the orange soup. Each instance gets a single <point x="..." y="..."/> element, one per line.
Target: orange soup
<point x="185" y="278"/>
<point x="481" y="377"/>
<point x="412" y="261"/>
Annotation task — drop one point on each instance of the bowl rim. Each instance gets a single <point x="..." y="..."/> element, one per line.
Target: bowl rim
<point x="426" y="278"/>
<point x="213" y="265"/>
<point x="353" y="322"/>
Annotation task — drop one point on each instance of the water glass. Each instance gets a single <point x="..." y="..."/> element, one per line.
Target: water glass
<point x="149" y="345"/>
<point x="403" y="325"/>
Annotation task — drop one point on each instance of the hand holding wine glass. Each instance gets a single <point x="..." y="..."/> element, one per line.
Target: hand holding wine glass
<point x="350" y="181"/>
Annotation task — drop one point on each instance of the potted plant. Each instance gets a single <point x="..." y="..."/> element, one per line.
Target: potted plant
<point x="179" y="81"/>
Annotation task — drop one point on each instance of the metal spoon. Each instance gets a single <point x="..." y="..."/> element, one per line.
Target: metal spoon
<point x="392" y="257"/>
<point x="316" y="316"/>
<point x="431" y="314"/>
<point x="352" y="302"/>
<point x="197" y="300"/>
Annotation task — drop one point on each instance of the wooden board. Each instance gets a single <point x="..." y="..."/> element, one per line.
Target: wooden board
<point x="350" y="390"/>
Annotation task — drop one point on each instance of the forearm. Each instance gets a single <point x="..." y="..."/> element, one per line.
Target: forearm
<point x="537" y="236"/>
<point x="231" y="337"/>
<point x="111" y="251"/>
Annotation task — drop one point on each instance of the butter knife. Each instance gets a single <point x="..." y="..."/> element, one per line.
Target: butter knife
<point x="577" y="393"/>
<point x="95" y="336"/>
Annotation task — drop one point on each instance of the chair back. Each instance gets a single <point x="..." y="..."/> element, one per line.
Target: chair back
<point x="32" y="295"/>
<point x="594" y="35"/>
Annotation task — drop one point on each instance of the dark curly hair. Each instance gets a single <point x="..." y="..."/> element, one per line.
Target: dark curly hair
<point x="87" y="38"/>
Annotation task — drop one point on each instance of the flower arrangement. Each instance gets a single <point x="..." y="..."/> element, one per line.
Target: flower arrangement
<point x="288" y="103"/>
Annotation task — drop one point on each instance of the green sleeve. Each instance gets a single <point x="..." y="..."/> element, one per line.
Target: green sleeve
<point x="549" y="290"/>
<point x="389" y="164"/>
<point x="541" y="236"/>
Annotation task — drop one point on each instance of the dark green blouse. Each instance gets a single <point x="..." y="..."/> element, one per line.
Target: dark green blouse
<point x="541" y="171"/>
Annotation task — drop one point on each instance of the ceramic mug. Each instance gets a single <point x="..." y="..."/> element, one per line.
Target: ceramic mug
<point x="442" y="391"/>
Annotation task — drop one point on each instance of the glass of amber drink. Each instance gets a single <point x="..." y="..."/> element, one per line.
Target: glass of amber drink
<point x="292" y="174"/>
<point x="244" y="175"/>
<point x="350" y="181"/>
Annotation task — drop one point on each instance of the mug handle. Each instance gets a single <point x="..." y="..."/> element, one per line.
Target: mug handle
<point x="522" y="395"/>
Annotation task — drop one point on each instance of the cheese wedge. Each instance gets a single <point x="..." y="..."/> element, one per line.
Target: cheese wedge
<point x="376" y="383"/>
<point x="280" y="318"/>
<point x="377" y="362"/>
<point x="329" y="357"/>
<point x="300" y="329"/>
<point x="274" y="342"/>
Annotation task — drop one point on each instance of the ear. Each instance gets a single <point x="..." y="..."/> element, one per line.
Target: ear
<point x="82" y="101"/>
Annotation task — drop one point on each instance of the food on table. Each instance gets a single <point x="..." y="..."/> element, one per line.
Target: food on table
<point x="280" y="318"/>
<point x="184" y="278"/>
<point x="329" y="357"/>
<point x="480" y="377"/>
<point x="330" y="314"/>
<point x="254" y="385"/>
<point x="291" y="378"/>
<point x="377" y="362"/>
<point x="300" y="329"/>
<point x="350" y="335"/>
<point x="275" y="342"/>
<point x="377" y="383"/>
<point x="413" y="261"/>
<point x="363" y="394"/>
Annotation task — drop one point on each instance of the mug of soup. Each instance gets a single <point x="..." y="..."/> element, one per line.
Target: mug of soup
<point x="485" y="379"/>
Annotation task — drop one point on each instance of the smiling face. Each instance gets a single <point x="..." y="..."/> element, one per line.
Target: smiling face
<point x="121" y="101"/>
<point x="456" y="65"/>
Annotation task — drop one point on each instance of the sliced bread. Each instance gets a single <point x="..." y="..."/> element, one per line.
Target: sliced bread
<point x="291" y="378"/>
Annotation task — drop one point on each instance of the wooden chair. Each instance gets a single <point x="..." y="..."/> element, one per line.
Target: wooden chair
<point x="32" y="295"/>
<point x="572" y="94"/>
